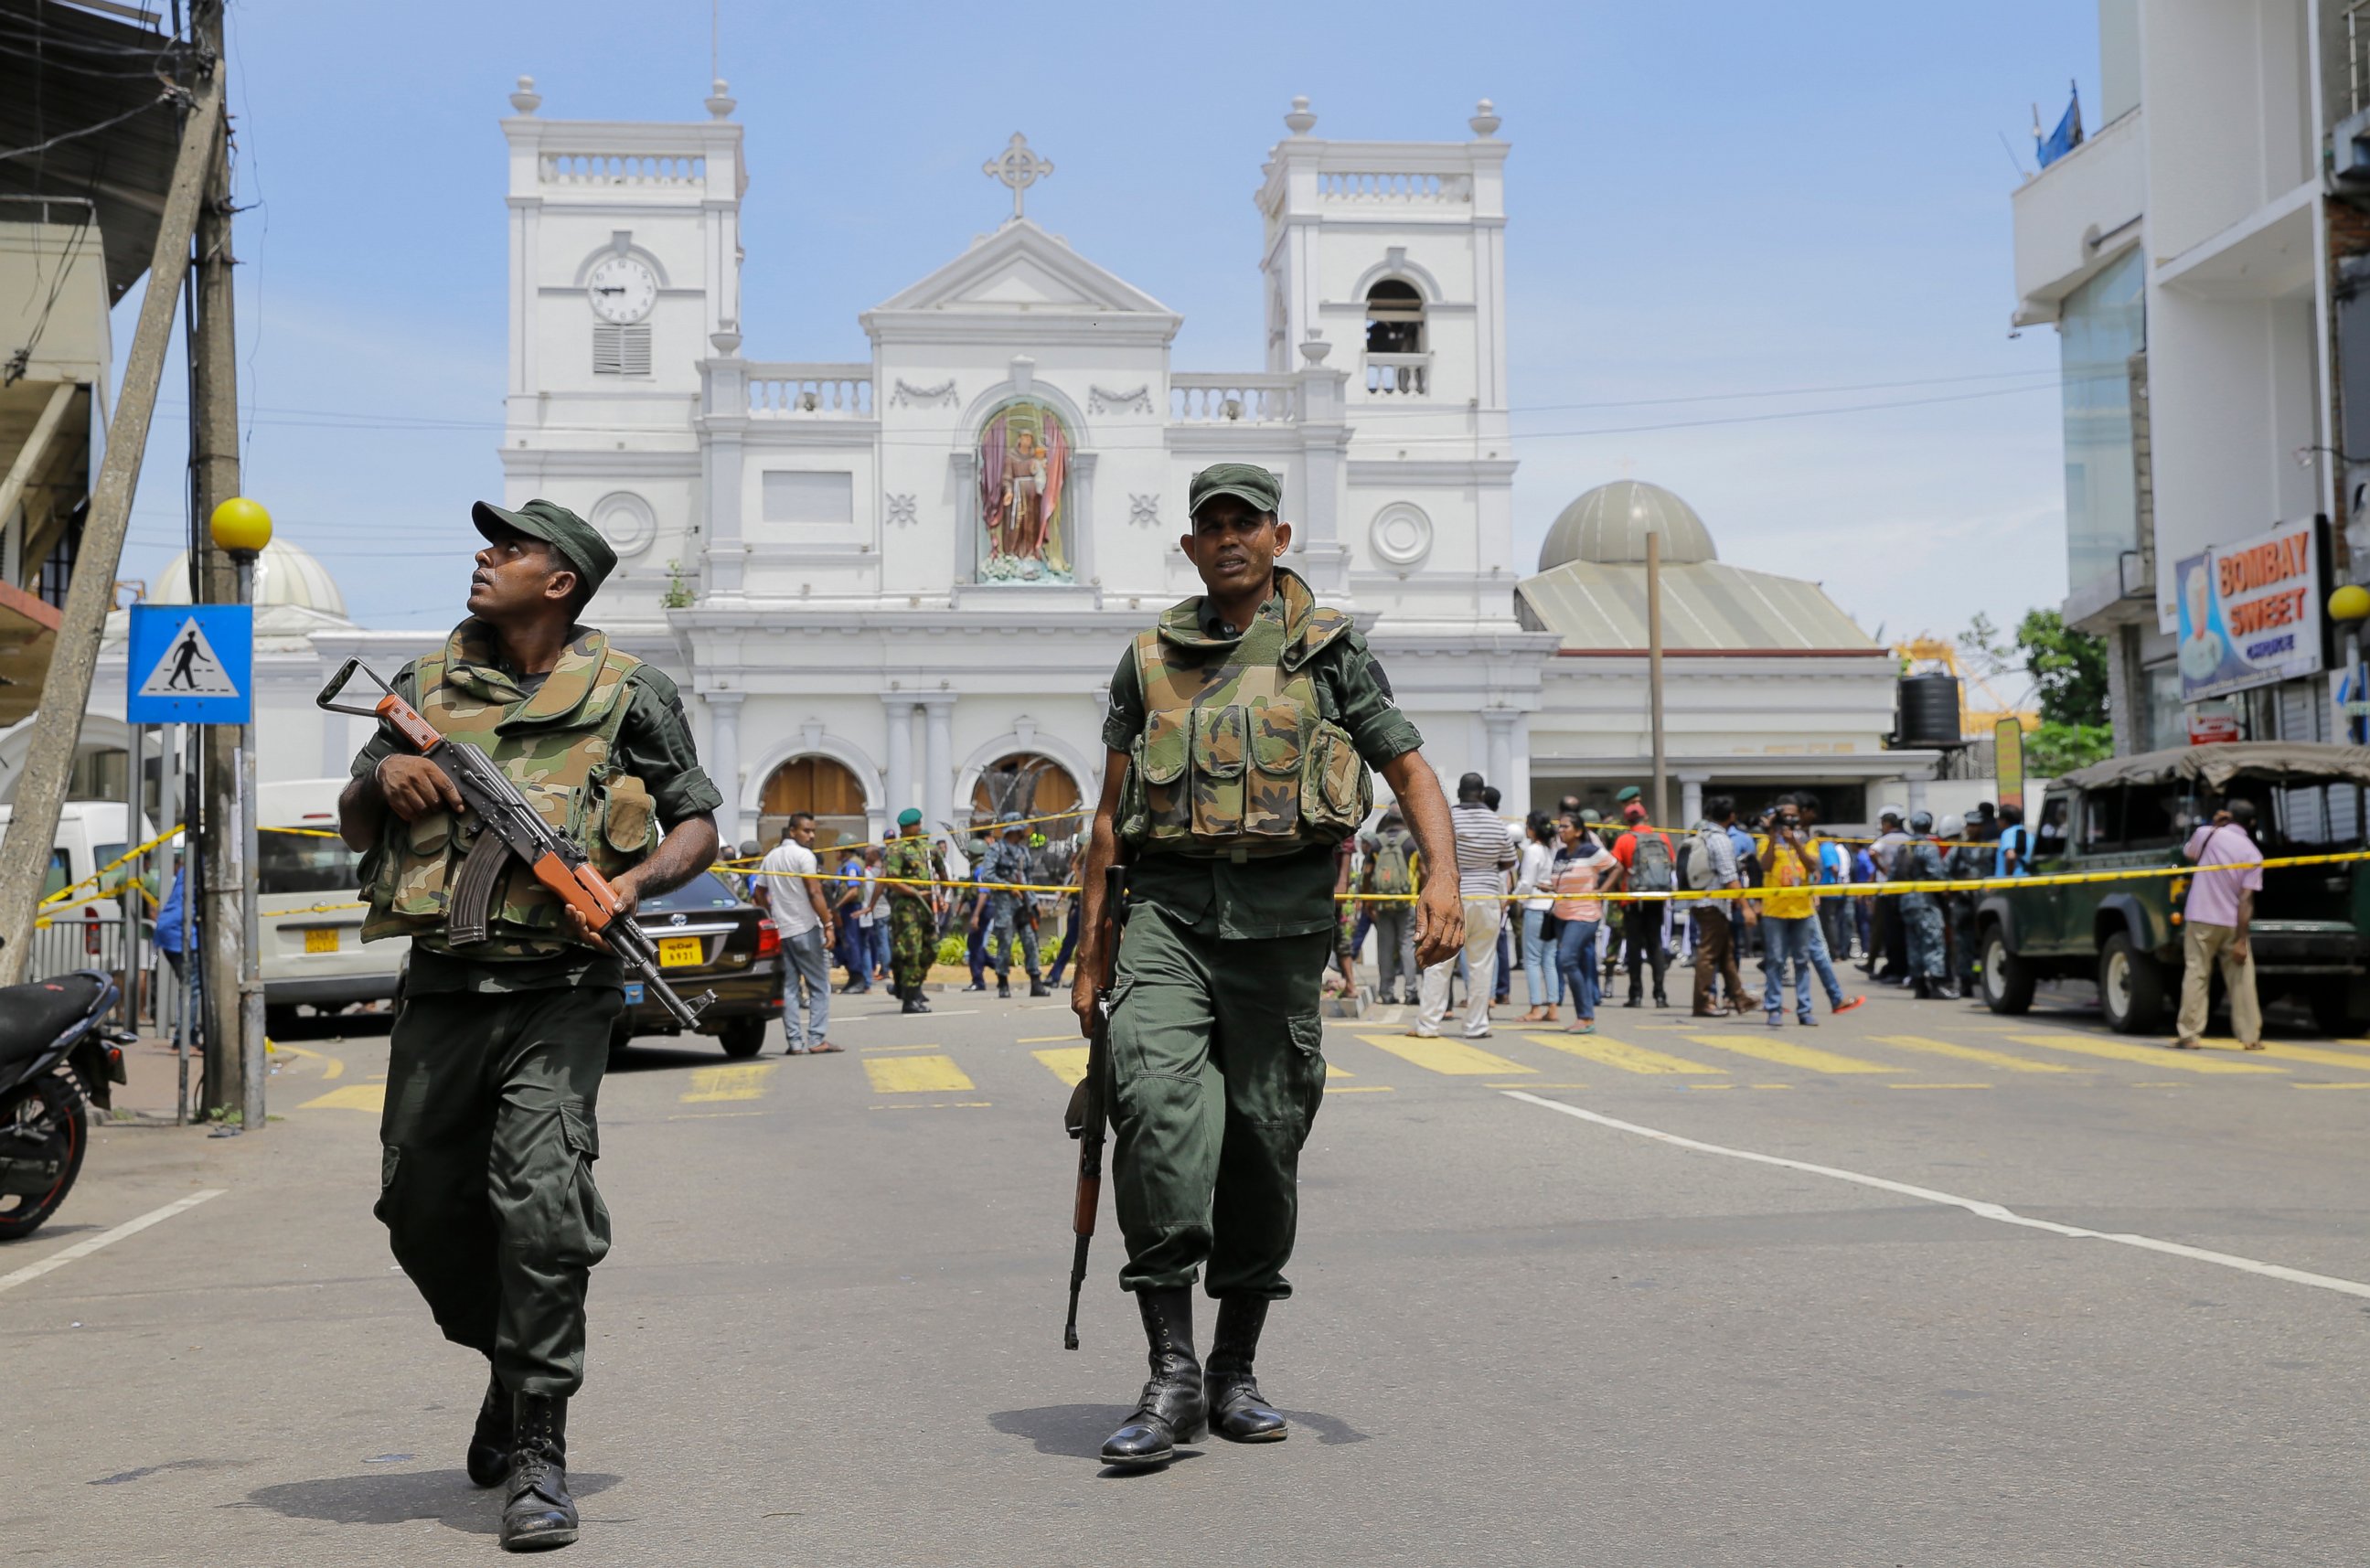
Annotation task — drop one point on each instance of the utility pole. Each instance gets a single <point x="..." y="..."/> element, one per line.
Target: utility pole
<point x="65" y="691"/>
<point x="213" y="462"/>
<point x="1654" y="672"/>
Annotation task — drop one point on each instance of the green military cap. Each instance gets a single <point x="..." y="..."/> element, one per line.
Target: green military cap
<point x="909" y="817"/>
<point x="1629" y="793"/>
<point x="574" y="538"/>
<point x="1246" y="481"/>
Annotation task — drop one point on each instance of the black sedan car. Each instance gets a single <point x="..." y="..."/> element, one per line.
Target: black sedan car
<point x="709" y="939"/>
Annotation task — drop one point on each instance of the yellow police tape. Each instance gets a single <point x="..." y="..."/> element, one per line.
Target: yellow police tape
<point x="1815" y="890"/>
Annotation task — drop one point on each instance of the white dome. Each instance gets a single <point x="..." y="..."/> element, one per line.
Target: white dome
<point x="285" y="574"/>
<point x="1609" y="524"/>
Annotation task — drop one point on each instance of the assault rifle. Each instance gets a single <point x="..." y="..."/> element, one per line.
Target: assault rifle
<point x="508" y="826"/>
<point x="1088" y="1109"/>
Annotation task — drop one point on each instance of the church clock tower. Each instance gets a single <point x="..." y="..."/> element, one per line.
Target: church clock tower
<point x="624" y="273"/>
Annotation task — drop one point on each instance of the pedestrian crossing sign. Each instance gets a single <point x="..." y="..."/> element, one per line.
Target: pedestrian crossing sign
<point x="191" y="665"/>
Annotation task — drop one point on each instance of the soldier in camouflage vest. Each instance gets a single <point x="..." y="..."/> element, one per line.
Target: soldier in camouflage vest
<point x="913" y="911"/>
<point x="1241" y="729"/>
<point x="486" y="1179"/>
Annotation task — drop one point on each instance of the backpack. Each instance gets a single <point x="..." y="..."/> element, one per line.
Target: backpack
<point x="1649" y="869"/>
<point x="1391" y="871"/>
<point x="1695" y="860"/>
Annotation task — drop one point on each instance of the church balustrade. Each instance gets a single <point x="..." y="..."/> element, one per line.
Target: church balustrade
<point x="1347" y="185"/>
<point x="622" y="169"/>
<point x="811" y="391"/>
<point x="1399" y="375"/>
<point x="1225" y="399"/>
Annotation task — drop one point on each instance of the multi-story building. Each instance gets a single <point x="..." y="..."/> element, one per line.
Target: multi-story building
<point x="2197" y="255"/>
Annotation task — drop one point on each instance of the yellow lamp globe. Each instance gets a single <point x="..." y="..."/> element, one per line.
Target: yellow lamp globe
<point x="2351" y="603"/>
<point x="240" y="526"/>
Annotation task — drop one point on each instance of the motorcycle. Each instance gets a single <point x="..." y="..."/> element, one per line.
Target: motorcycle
<point x="57" y="1059"/>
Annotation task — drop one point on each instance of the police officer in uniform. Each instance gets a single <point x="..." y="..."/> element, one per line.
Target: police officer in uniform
<point x="1010" y="915"/>
<point x="1920" y="861"/>
<point x="489" y="1136"/>
<point x="1240" y="729"/>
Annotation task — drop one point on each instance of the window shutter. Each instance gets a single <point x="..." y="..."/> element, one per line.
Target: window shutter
<point x="621" y="351"/>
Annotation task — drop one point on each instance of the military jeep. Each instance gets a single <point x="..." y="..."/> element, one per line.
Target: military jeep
<point x="2311" y="927"/>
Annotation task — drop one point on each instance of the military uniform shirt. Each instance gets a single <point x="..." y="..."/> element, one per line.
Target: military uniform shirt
<point x="1282" y="895"/>
<point x="654" y="745"/>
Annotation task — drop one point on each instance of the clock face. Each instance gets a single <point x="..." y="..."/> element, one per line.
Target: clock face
<point x="622" y="289"/>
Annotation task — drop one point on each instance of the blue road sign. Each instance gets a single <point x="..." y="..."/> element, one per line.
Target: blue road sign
<point x="191" y="665"/>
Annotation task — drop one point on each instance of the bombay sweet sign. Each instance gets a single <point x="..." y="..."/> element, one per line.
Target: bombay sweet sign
<point x="2250" y="613"/>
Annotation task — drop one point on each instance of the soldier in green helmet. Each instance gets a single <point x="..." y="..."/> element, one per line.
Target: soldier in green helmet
<point x="488" y="1135"/>
<point x="1241" y="728"/>
<point x="912" y="910"/>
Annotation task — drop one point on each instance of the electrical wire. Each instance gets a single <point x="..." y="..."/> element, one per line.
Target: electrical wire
<point x="169" y="95"/>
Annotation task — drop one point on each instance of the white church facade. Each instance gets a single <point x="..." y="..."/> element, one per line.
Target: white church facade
<point x="884" y="580"/>
<point x="905" y="580"/>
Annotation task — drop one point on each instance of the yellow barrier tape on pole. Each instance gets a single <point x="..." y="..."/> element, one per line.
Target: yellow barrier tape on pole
<point x="65" y="894"/>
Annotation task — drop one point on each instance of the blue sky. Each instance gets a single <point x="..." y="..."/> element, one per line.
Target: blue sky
<point x="1711" y="206"/>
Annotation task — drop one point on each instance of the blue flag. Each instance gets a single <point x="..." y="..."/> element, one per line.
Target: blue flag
<point x="2067" y="137"/>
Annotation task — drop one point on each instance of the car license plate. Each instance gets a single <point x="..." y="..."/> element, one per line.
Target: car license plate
<point x="676" y="952"/>
<point x="633" y="992"/>
<point x="320" y="939"/>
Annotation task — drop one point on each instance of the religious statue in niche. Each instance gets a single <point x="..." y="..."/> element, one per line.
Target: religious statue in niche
<point x="1024" y="459"/>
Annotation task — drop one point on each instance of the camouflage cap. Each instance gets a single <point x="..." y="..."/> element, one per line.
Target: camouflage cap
<point x="1245" y="481"/>
<point x="570" y="535"/>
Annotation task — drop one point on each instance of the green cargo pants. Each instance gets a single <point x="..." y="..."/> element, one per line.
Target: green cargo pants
<point x="486" y="1179"/>
<point x="1217" y="1068"/>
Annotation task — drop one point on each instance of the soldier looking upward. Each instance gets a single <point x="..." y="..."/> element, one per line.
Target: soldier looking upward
<point x="486" y="1181"/>
<point x="1240" y="729"/>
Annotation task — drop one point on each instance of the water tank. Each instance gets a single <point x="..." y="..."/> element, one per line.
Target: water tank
<point x="1928" y="712"/>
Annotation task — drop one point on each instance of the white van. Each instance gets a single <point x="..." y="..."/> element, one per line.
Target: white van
<point x="310" y="908"/>
<point x="82" y="931"/>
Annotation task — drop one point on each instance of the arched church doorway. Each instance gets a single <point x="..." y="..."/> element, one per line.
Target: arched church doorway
<point x="814" y="784"/>
<point x="1030" y="785"/>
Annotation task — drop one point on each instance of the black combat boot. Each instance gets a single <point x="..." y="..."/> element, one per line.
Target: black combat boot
<point x="1173" y="1409"/>
<point x="489" y="1445"/>
<point x="1038" y="988"/>
<point x="914" y="1003"/>
<point x="539" y="1513"/>
<point x="1237" y="1409"/>
<point x="1004" y="989"/>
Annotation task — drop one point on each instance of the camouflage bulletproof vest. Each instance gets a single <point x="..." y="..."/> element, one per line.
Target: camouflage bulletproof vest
<point x="556" y="746"/>
<point x="1238" y="758"/>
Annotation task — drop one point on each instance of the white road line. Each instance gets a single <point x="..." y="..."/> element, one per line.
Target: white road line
<point x="104" y="1238"/>
<point x="1973" y="1205"/>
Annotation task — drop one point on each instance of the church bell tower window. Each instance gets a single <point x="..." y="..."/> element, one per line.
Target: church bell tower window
<point x="1394" y="318"/>
<point x="1397" y="363"/>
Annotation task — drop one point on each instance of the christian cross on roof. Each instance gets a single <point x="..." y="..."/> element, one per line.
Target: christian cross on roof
<point x="1019" y="167"/>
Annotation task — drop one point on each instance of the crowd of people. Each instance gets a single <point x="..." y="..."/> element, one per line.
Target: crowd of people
<point x="1542" y="898"/>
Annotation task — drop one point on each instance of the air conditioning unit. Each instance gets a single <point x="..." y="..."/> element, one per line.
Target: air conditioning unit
<point x="2348" y="150"/>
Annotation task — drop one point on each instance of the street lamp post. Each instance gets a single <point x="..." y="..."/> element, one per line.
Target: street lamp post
<point x="241" y="528"/>
<point x="2349" y="606"/>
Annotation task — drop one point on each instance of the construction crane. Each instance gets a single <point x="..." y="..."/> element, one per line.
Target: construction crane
<point x="1928" y="655"/>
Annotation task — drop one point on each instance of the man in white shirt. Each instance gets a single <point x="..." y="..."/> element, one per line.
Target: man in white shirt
<point x="791" y="894"/>
<point x="1485" y="857"/>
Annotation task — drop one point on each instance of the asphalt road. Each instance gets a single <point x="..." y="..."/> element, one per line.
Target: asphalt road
<point x="830" y="1329"/>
